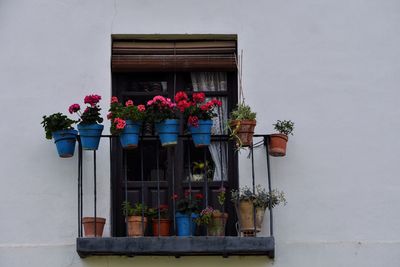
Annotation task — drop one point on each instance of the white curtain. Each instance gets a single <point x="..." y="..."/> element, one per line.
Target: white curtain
<point x="215" y="81"/>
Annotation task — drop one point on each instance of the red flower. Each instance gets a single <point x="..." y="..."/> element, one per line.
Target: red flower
<point x="188" y="192"/>
<point x="141" y="108"/>
<point x="109" y="116"/>
<point x="120" y="123"/>
<point x="199" y="97"/>
<point x="175" y="196"/>
<point x="163" y="207"/>
<point x="199" y="196"/>
<point x="114" y="99"/>
<point x="216" y="102"/>
<point x="92" y="99"/>
<point x="129" y="103"/>
<point x="193" y="121"/>
<point x="74" y="108"/>
<point x="181" y="96"/>
<point x="183" y="104"/>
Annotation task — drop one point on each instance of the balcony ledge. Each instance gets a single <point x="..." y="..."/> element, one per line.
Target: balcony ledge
<point x="176" y="246"/>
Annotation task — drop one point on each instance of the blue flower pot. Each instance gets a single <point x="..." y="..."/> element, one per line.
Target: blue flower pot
<point x="185" y="223"/>
<point x="201" y="135"/>
<point x="168" y="131"/>
<point x="130" y="135"/>
<point x="90" y="135"/>
<point x="65" y="142"/>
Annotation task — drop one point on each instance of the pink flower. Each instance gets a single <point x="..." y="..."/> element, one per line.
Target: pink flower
<point x="199" y="97"/>
<point x="216" y="102"/>
<point x="109" y="116"/>
<point x="193" y="121"/>
<point x="181" y="96"/>
<point x="74" y="108"/>
<point x="141" y="108"/>
<point x="129" y="103"/>
<point x="114" y="99"/>
<point x="120" y="123"/>
<point x="92" y="99"/>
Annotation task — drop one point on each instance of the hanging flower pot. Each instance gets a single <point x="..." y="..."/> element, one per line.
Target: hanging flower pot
<point x="165" y="225"/>
<point x="168" y="131"/>
<point x="90" y="135"/>
<point x="201" y="134"/>
<point x="243" y="131"/>
<point x="185" y="224"/>
<point x="89" y="226"/>
<point x="65" y="142"/>
<point x="245" y="212"/>
<point x="136" y="226"/>
<point x="129" y="136"/>
<point x="216" y="227"/>
<point x="277" y="145"/>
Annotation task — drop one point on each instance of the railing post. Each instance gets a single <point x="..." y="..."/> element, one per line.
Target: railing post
<point x="266" y="144"/>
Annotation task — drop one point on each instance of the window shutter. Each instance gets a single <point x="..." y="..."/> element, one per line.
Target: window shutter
<point x="138" y="56"/>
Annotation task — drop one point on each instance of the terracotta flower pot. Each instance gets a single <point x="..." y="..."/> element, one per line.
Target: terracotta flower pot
<point x="259" y="217"/>
<point x="88" y="226"/>
<point x="216" y="227"/>
<point x="245" y="213"/>
<point x="164" y="227"/>
<point x="277" y="145"/>
<point x="136" y="227"/>
<point x="244" y="130"/>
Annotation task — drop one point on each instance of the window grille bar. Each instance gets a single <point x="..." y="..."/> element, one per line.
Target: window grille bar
<point x="271" y="227"/>
<point x="95" y="193"/>
<point x="124" y="159"/>
<point x="190" y="188"/>
<point x="254" y="188"/>
<point x="158" y="188"/>
<point x="173" y="190"/>
<point x="79" y="187"/>
<point x="222" y="172"/>
<point x="142" y="183"/>
<point x="205" y="177"/>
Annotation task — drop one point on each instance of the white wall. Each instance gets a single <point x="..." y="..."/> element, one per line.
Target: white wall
<point x="331" y="66"/>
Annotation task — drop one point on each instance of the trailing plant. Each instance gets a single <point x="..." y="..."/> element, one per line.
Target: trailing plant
<point x="265" y="199"/>
<point x="196" y="109"/>
<point x="244" y="193"/>
<point x="91" y="114"/>
<point x="161" y="108"/>
<point x="119" y="113"/>
<point x="188" y="204"/>
<point x="163" y="210"/>
<point x="56" y="122"/>
<point x="205" y="216"/>
<point x="284" y="127"/>
<point x="138" y="210"/>
<point x="242" y="112"/>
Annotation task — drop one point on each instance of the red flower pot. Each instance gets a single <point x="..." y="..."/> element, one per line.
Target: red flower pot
<point x="277" y="145"/>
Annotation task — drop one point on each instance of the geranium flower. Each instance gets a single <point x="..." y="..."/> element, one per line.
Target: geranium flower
<point x="114" y="99"/>
<point x="175" y="196"/>
<point x="193" y="121"/>
<point x="199" y="196"/>
<point x="120" y="123"/>
<point x="129" y="103"/>
<point x="109" y="116"/>
<point x="141" y="108"/>
<point x="181" y="96"/>
<point x="74" y="108"/>
<point x="92" y="99"/>
<point x="199" y="97"/>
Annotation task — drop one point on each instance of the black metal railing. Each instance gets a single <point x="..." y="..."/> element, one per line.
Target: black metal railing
<point x="223" y="140"/>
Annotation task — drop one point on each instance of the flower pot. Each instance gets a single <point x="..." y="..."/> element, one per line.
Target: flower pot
<point x="88" y="226"/>
<point x="136" y="226"/>
<point x="244" y="131"/>
<point x="185" y="224"/>
<point x="129" y="137"/>
<point x="90" y="135"/>
<point x="216" y="227"/>
<point x="260" y="212"/>
<point x="201" y="135"/>
<point x="245" y="213"/>
<point x="168" y="131"/>
<point x="164" y="227"/>
<point x="65" y="142"/>
<point x="277" y="145"/>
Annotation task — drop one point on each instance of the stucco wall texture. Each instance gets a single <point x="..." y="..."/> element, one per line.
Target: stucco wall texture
<point x="331" y="66"/>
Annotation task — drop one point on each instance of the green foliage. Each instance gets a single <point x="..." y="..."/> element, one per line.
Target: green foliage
<point x="205" y="216"/>
<point x="91" y="115"/>
<point x="189" y="204"/>
<point x="137" y="210"/>
<point x="244" y="193"/>
<point x="131" y="112"/>
<point x="153" y="212"/>
<point x="284" y="127"/>
<point x="264" y="199"/>
<point x="242" y="112"/>
<point x="56" y="122"/>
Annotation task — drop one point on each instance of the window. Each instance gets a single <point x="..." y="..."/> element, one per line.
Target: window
<point x="145" y="66"/>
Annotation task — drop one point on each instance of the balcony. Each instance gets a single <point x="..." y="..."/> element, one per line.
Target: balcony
<point x="241" y="242"/>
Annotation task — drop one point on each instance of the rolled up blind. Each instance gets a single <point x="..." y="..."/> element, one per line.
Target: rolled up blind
<point x="137" y="56"/>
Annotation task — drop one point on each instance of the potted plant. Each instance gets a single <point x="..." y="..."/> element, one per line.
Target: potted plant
<point x="162" y="112"/>
<point x="278" y="141"/>
<point x="198" y="171"/>
<point x="244" y="204"/>
<point x="126" y="121"/>
<point x="214" y="219"/>
<point x="92" y="225"/>
<point x="188" y="209"/>
<point x="241" y="124"/>
<point x="88" y="127"/>
<point x="198" y="114"/>
<point x="59" y="127"/>
<point x="264" y="199"/>
<point x="136" y="218"/>
<point x="161" y="224"/>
